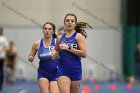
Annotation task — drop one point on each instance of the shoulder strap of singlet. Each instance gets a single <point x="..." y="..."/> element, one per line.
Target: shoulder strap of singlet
<point x="53" y="42"/>
<point x="62" y="36"/>
<point x="74" y="35"/>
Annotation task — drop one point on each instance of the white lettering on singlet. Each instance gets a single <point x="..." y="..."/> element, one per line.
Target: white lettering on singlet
<point x="51" y="48"/>
<point x="45" y="54"/>
<point x="48" y="54"/>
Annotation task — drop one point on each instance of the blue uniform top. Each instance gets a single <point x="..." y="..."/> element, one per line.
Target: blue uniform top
<point x="68" y="59"/>
<point x="45" y="55"/>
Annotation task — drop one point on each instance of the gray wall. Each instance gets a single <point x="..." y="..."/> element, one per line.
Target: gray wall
<point x="20" y="12"/>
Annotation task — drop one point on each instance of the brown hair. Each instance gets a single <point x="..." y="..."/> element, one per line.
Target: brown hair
<point x="53" y="26"/>
<point x="80" y="28"/>
<point x="79" y="25"/>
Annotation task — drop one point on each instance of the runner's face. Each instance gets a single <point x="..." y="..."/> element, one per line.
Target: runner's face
<point x="70" y="22"/>
<point x="48" y="30"/>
